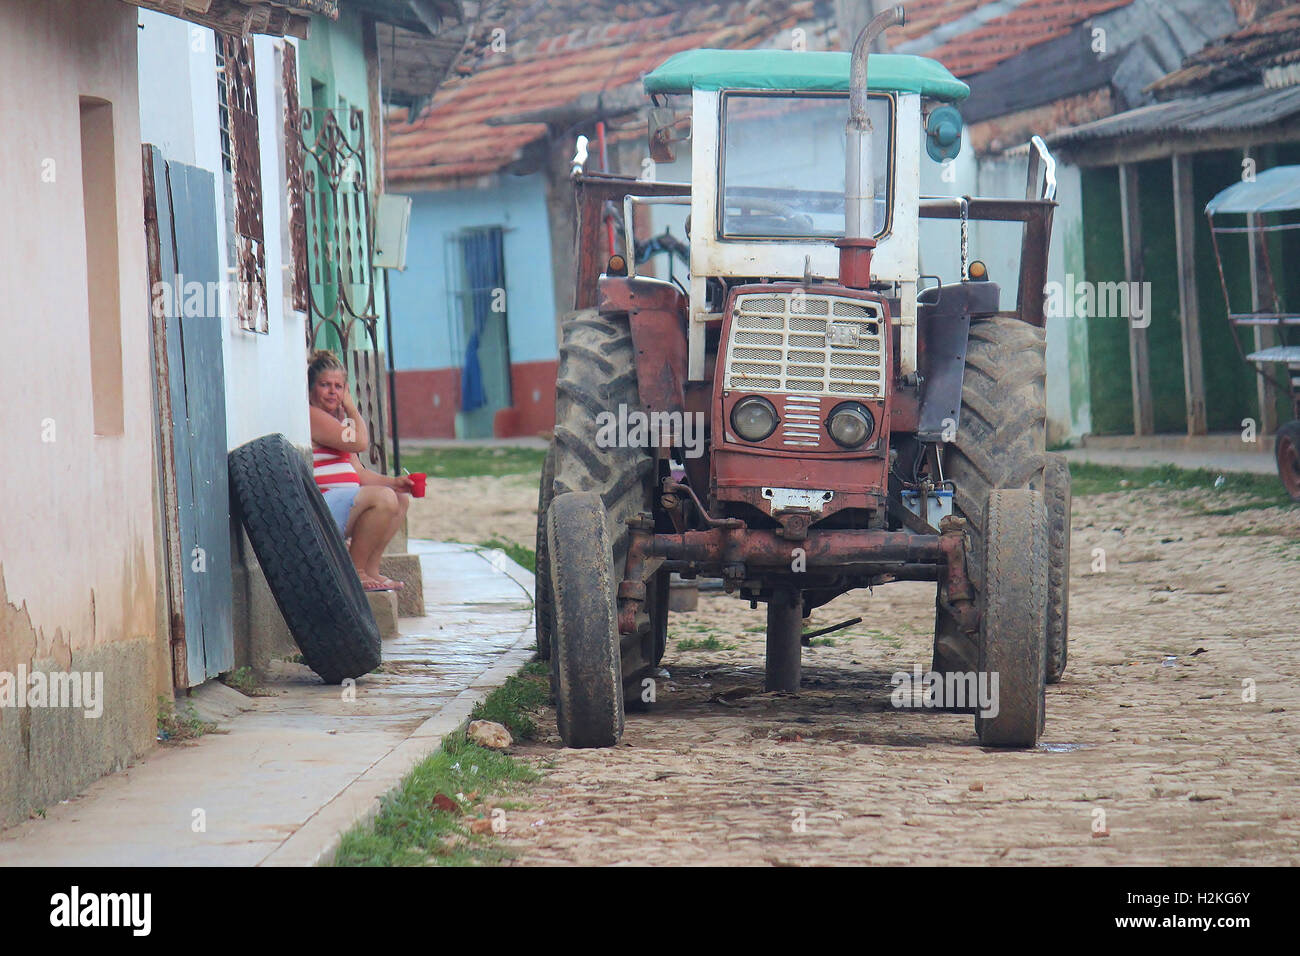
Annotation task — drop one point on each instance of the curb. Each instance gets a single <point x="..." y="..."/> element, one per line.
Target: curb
<point x="316" y="841"/>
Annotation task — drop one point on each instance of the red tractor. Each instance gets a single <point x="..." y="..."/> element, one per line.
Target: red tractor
<point x="800" y="419"/>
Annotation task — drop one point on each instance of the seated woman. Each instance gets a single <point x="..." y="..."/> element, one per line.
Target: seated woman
<point x="368" y="507"/>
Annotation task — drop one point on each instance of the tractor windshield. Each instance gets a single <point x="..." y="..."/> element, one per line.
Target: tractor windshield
<point x="783" y="165"/>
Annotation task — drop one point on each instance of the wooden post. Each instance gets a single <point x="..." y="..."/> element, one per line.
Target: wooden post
<point x="1188" y="305"/>
<point x="851" y="16"/>
<point x="164" y="445"/>
<point x="1139" y="353"/>
<point x="562" y="217"/>
<point x="1262" y="298"/>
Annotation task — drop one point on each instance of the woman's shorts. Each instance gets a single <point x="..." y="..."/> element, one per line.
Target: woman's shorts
<point x="340" y="500"/>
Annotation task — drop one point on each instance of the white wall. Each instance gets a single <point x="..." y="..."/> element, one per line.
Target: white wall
<point x="266" y="383"/>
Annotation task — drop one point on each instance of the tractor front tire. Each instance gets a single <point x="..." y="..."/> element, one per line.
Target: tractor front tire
<point x="586" y="665"/>
<point x="1056" y="493"/>
<point x="597" y="375"/>
<point x="1013" y="619"/>
<point x="1000" y="443"/>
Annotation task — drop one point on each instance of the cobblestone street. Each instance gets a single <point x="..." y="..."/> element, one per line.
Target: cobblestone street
<point x="1148" y="738"/>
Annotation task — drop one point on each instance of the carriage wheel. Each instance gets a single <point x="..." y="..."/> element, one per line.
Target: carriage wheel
<point x="1286" y="450"/>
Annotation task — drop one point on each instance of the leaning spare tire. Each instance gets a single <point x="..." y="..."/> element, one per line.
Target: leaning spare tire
<point x="304" y="558"/>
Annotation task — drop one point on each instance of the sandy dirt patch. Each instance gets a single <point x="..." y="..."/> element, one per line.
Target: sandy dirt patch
<point x="472" y="510"/>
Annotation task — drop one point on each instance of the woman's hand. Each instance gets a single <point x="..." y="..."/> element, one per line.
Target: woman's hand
<point x="403" y="483"/>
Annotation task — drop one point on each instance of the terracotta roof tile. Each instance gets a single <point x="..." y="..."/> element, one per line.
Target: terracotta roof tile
<point x="451" y="141"/>
<point x="1002" y="38"/>
<point x="1271" y="40"/>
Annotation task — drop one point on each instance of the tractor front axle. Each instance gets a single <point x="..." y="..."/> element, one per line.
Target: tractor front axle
<point x="737" y="552"/>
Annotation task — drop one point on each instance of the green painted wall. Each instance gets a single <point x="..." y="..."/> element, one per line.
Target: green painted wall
<point x="1103" y="249"/>
<point x="1230" y="390"/>
<point x="332" y="73"/>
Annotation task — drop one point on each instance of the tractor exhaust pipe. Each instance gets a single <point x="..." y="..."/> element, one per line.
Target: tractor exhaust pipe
<point x="859" y="184"/>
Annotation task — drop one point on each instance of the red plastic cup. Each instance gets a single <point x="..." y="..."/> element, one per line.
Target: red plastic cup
<point x="418" y="479"/>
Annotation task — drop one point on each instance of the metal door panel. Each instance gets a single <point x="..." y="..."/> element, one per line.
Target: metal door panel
<point x="186" y="201"/>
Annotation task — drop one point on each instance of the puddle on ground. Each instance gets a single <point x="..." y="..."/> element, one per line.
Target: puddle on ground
<point x="1062" y="748"/>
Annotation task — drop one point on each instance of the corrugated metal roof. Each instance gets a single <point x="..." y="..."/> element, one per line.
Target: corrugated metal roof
<point x="1270" y="41"/>
<point x="1237" y="109"/>
<point x="1274" y="190"/>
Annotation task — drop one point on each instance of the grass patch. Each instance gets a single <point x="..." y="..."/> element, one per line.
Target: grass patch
<point x="430" y="818"/>
<point x="245" y="681"/>
<point x="822" y="642"/>
<point x="176" y="723"/>
<point x="515" y="702"/>
<point x="1264" y="491"/>
<point x="709" y="643"/>
<point x="427" y="819"/>
<point x="876" y="634"/>
<point x="458" y="462"/>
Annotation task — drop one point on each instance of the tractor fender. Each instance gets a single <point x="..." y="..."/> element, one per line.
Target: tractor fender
<point x="943" y="314"/>
<point x="656" y="312"/>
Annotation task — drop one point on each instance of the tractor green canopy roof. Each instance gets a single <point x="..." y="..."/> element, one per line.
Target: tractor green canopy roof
<point x="791" y="70"/>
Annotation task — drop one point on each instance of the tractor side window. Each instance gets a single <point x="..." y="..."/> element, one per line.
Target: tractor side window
<point x="783" y="165"/>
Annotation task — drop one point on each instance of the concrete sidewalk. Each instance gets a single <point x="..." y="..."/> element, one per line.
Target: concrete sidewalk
<point x="1257" y="463"/>
<point x="286" y="774"/>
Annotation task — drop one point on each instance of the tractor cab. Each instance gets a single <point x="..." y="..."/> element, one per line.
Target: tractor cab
<point x="768" y="166"/>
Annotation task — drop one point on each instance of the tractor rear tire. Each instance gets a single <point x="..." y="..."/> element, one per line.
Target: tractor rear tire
<point x="544" y="609"/>
<point x="1056" y="493"/>
<point x="597" y="375"/>
<point x="1000" y="443"/>
<point x="586" y="665"/>
<point x="1013" y="618"/>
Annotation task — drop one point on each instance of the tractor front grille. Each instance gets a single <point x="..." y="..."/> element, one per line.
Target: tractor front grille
<point x="804" y="344"/>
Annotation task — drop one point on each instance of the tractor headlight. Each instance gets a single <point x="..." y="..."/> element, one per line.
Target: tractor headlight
<point x="754" y="418"/>
<point x="850" y="424"/>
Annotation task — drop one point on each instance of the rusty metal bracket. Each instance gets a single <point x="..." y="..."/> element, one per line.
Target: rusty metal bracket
<point x="670" y="486"/>
<point x="956" y="592"/>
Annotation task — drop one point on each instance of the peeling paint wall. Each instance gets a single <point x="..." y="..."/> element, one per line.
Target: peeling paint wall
<point x="78" y="574"/>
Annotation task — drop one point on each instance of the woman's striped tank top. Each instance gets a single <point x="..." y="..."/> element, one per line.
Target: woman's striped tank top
<point x="333" y="467"/>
